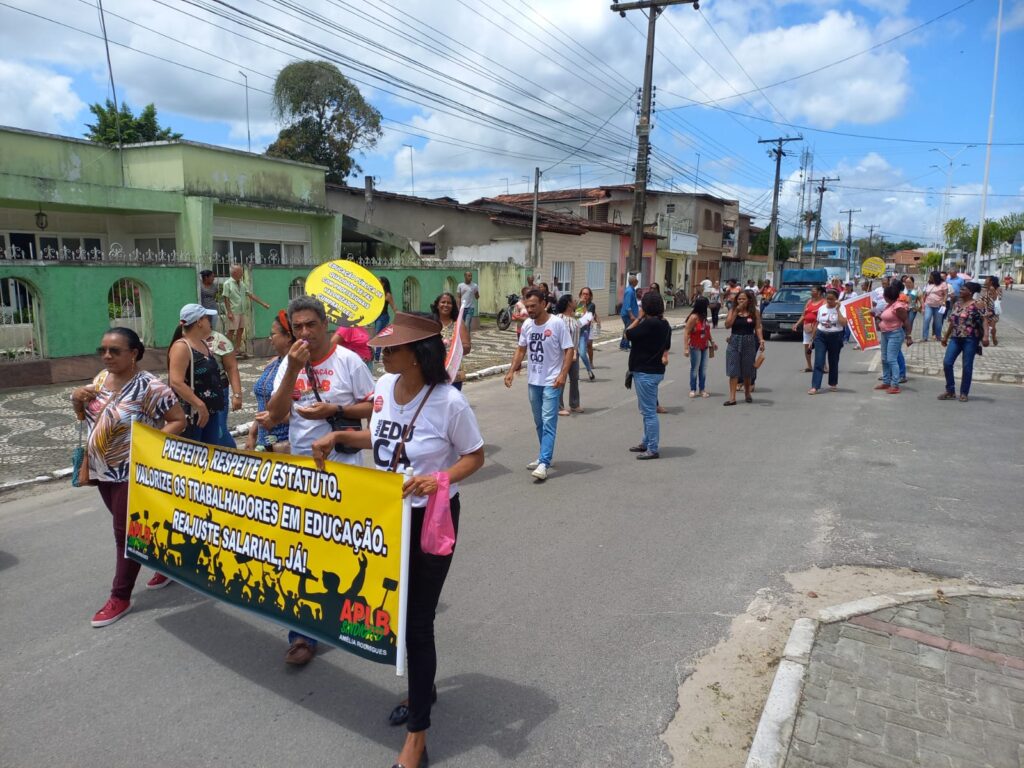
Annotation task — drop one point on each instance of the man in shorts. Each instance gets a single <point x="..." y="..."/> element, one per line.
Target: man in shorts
<point x="236" y="296"/>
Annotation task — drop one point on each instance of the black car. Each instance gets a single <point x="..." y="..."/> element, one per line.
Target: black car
<point x="785" y="308"/>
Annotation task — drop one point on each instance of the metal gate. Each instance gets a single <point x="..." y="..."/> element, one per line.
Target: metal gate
<point x="411" y="295"/>
<point x="127" y="308"/>
<point x="20" y="329"/>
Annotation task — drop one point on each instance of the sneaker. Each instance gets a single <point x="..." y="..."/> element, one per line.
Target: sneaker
<point x="159" y="581"/>
<point x="111" y="612"/>
<point x="638" y="449"/>
<point x="881" y="386"/>
<point x="541" y="472"/>
<point x="893" y="390"/>
<point x="646" y="456"/>
<point x="693" y="394"/>
<point x="903" y="380"/>
<point x="533" y="464"/>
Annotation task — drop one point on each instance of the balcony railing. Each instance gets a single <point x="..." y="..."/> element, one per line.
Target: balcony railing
<point x="113" y="255"/>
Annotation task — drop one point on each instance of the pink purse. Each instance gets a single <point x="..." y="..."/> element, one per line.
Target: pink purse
<point x="438" y="534"/>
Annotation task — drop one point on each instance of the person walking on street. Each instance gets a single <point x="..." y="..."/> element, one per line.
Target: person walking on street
<point x="194" y="373"/>
<point x="208" y="290"/>
<point x="698" y="346"/>
<point x="714" y="296"/>
<point x="120" y="395"/>
<point x="965" y="334"/>
<point x="806" y="322"/>
<point x="991" y="302"/>
<point x="547" y="346"/>
<point x="650" y="337"/>
<point x="744" y="323"/>
<point x="444" y="312"/>
<point x="565" y="308"/>
<point x="893" y="324"/>
<point x="913" y="298"/>
<point x="436" y="436"/>
<point x="954" y="281"/>
<point x="318" y="383"/>
<point x="827" y="341"/>
<point x="934" y="306"/>
<point x="469" y="295"/>
<point x="236" y="296"/>
<point x="630" y="309"/>
<point x="586" y="313"/>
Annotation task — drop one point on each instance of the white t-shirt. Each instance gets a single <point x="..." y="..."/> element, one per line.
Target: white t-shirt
<point x="828" y="319"/>
<point x="445" y="429"/>
<point x="467" y="294"/>
<point x="545" y="349"/>
<point x="344" y="380"/>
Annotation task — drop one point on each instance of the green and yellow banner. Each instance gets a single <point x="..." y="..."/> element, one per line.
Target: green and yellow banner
<point x="320" y="552"/>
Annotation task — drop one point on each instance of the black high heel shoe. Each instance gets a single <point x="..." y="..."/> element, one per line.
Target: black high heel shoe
<point x="424" y="761"/>
<point x="400" y="714"/>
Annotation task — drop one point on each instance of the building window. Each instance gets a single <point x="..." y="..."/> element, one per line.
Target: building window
<point x="428" y="248"/>
<point x="707" y="219"/>
<point x="153" y="246"/>
<point x="20" y="335"/>
<point x="718" y="222"/>
<point x="247" y="252"/>
<point x="561" y="275"/>
<point x="598" y="212"/>
<point x="270" y="253"/>
<point x="127" y="307"/>
<point x="597" y="275"/>
<point x="296" y="288"/>
<point x="670" y="208"/>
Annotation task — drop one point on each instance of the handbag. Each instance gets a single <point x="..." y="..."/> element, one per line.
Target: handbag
<point x="437" y="536"/>
<point x="629" y="379"/>
<point x="337" y="422"/>
<point x="80" y="461"/>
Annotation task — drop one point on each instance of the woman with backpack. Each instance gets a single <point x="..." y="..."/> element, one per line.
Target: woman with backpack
<point x="698" y="346"/>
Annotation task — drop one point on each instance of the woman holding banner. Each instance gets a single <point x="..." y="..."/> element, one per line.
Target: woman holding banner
<point x="436" y="434"/>
<point x="444" y="312"/>
<point x="120" y="395"/>
<point x="262" y="436"/>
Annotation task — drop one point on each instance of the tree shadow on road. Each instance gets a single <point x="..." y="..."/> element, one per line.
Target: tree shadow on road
<point x="355" y="704"/>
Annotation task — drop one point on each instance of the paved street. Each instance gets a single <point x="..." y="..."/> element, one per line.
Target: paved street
<point x="572" y="606"/>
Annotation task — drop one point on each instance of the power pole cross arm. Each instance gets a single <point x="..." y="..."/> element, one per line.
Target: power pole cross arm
<point x="778" y="153"/>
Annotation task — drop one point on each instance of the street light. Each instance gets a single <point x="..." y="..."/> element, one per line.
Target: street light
<point x="949" y="175"/>
<point x="412" y="174"/>
<point x="248" y="133"/>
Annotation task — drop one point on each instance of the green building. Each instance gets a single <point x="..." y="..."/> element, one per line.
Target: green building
<point x="93" y="236"/>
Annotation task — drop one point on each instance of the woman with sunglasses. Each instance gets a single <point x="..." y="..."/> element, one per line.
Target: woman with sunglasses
<point x="442" y="436"/>
<point x="262" y="436"/>
<point x="120" y="395"/>
<point x="445" y="312"/>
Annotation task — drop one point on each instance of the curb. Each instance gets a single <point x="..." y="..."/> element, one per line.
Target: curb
<point x="1002" y="377"/>
<point x="770" y="746"/>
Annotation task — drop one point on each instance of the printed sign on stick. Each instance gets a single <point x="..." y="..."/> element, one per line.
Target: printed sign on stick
<point x="348" y="291"/>
<point x="861" y="321"/>
<point x="320" y="552"/>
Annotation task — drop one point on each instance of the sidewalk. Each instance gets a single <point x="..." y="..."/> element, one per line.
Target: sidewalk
<point x="38" y="430"/>
<point x="1003" y="364"/>
<point x="895" y="681"/>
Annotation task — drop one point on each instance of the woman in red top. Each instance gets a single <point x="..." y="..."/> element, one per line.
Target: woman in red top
<point x="808" y="321"/>
<point x="697" y="345"/>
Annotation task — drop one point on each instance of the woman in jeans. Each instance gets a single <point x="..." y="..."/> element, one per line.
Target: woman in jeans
<point x="120" y="395"/>
<point x="964" y="334"/>
<point x="894" y="325"/>
<point x="747" y="339"/>
<point x="827" y="341"/>
<point x="650" y="337"/>
<point x="586" y="313"/>
<point x="913" y="297"/>
<point x="444" y="438"/>
<point x="697" y="345"/>
<point x="565" y="308"/>
<point x="807" y="320"/>
<point x="934" y="305"/>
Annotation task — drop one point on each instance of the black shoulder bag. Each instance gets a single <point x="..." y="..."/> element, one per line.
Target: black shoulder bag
<point x="337" y="422"/>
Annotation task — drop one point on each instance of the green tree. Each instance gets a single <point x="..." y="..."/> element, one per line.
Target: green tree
<point x="326" y="118"/>
<point x="958" y="233"/>
<point x="931" y="260"/>
<point x="907" y="245"/>
<point x="759" y="245"/>
<point x="1007" y="227"/>
<point x="133" y="130"/>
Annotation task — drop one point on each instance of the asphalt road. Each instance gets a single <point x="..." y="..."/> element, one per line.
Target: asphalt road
<point x="572" y="606"/>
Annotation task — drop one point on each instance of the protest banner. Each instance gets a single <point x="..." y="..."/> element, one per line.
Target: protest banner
<point x="872" y="267"/>
<point x="348" y="292"/>
<point x="323" y="552"/>
<point x="861" y="321"/>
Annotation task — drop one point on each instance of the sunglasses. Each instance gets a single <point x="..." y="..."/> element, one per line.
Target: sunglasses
<point x="113" y="351"/>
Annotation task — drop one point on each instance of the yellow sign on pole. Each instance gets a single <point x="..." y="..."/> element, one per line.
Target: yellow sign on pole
<point x="873" y="267"/>
<point x="318" y="551"/>
<point x="348" y="291"/>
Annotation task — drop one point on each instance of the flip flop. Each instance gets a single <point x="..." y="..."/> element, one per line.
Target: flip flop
<point x="729" y="402"/>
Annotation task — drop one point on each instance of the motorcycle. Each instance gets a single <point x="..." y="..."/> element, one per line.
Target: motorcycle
<point x="505" y="314"/>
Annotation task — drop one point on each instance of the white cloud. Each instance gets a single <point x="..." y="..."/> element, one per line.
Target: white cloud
<point x="38" y="98"/>
<point x="1014" y="18"/>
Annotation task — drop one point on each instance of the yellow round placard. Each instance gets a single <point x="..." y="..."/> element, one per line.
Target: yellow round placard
<point x="348" y="291"/>
<point x="873" y="267"/>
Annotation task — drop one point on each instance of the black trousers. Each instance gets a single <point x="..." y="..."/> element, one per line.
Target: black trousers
<point x="427" y="574"/>
<point x="715" y="308"/>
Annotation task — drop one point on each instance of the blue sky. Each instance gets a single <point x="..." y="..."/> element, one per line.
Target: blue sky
<point x="549" y="83"/>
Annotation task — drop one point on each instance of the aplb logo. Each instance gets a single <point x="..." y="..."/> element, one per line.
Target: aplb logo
<point x="378" y="404"/>
<point x="360" y="620"/>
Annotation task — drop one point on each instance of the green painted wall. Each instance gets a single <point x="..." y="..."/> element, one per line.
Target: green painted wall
<point x="72" y="301"/>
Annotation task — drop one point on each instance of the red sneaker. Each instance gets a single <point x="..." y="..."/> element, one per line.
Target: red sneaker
<point x="159" y="581"/>
<point x="881" y="386"/>
<point x="894" y="390"/>
<point x="111" y="612"/>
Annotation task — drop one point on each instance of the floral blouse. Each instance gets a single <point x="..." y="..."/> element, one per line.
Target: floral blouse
<point x="965" y="320"/>
<point x="263" y="389"/>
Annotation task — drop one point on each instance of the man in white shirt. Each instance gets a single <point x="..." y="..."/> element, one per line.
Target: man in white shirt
<point x="547" y="341"/>
<point x="343" y="387"/>
<point x="469" y="293"/>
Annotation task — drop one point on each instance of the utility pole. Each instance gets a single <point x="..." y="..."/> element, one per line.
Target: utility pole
<point x="802" y="223"/>
<point x="817" y="223"/>
<point x="505" y="179"/>
<point x="778" y="153"/>
<point x="988" y="145"/>
<point x="412" y="172"/>
<point x="531" y="260"/>
<point x="248" y="133"/>
<point x="849" y="241"/>
<point x="643" y="126"/>
<point x="871" y="237"/>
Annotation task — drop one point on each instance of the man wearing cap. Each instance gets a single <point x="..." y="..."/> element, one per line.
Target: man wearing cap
<point x="235" y="294"/>
<point x="321" y="380"/>
<point x="630" y="308"/>
<point x="547" y="341"/>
